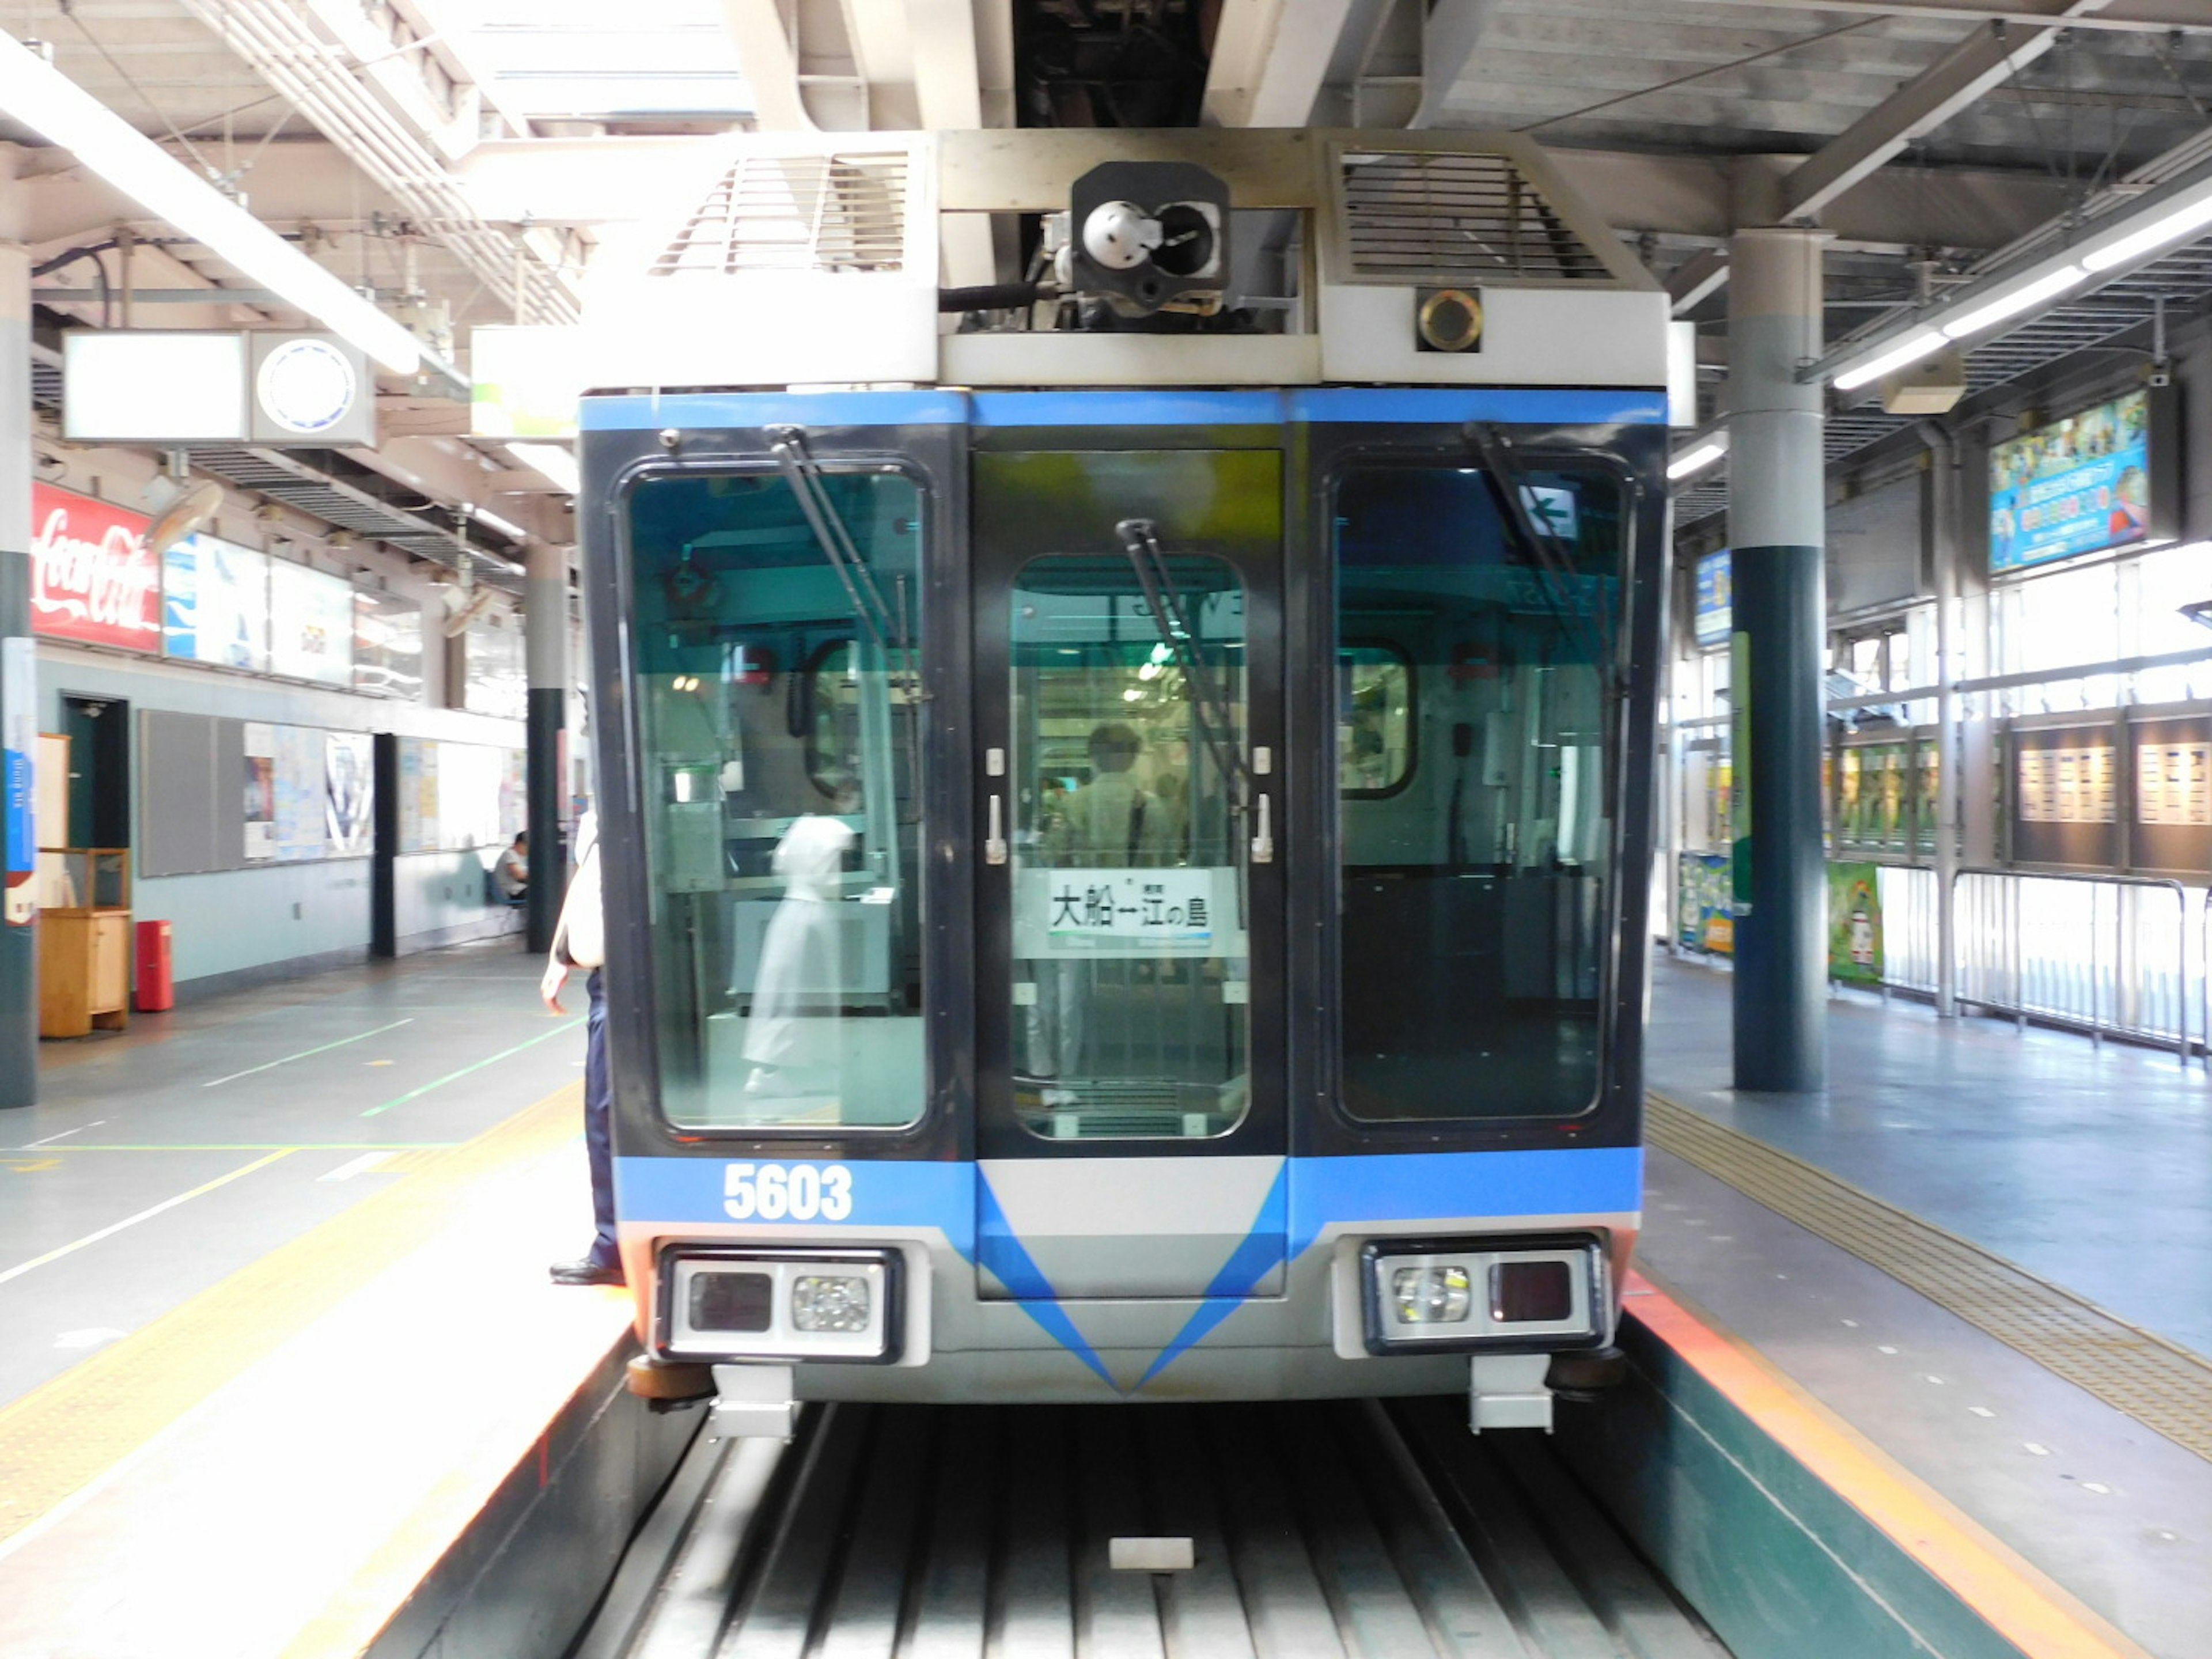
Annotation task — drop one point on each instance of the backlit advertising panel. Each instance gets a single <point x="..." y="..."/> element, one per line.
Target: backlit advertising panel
<point x="215" y="603"/>
<point x="92" y="579"/>
<point x="1716" y="608"/>
<point x="311" y="618"/>
<point x="2079" y="485"/>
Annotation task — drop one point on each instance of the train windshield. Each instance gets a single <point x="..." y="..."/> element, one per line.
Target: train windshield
<point x="1474" y="746"/>
<point x="777" y="696"/>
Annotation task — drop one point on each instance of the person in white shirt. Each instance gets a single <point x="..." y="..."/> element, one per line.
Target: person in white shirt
<point x="579" y="941"/>
<point x="511" y="875"/>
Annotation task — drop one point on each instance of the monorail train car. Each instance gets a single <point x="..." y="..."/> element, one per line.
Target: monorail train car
<point x="1126" y="849"/>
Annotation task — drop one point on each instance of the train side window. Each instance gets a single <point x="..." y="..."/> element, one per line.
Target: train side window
<point x="1476" y="872"/>
<point x="1375" y="722"/>
<point x="777" y="696"/>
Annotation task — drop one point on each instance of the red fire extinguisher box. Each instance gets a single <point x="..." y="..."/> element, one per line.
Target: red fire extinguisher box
<point x="156" y="990"/>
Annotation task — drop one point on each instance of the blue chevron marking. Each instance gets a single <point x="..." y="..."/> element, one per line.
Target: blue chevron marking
<point x="999" y="1249"/>
<point x="1261" y="1251"/>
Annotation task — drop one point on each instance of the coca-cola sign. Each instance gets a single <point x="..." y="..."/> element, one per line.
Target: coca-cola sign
<point x="91" y="577"/>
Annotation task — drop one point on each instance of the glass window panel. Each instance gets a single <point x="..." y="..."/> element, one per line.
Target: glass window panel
<point x="1130" y="948"/>
<point x="1374" y="719"/>
<point x="1472" y="898"/>
<point x="778" y="738"/>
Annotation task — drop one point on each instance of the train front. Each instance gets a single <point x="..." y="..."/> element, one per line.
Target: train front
<point x="1126" y="849"/>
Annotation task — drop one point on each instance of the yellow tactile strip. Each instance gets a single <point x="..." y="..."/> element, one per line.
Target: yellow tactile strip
<point x="64" y="1434"/>
<point x="2161" y="1385"/>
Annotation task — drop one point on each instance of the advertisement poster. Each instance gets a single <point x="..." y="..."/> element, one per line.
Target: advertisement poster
<point x="19" y="737"/>
<point x="1715" y="617"/>
<point x="1705" y="918"/>
<point x="514" y="794"/>
<point x="2079" y="485"/>
<point x="92" y="579"/>
<point x="1854" y="923"/>
<point x="468" y="795"/>
<point x="2072" y="785"/>
<point x="1740" y="796"/>
<point x="1927" y="794"/>
<point x="349" y="793"/>
<point x="260" y="782"/>
<point x="2173" y="783"/>
<point x="300" y="794"/>
<point x="418" y="799"/>
<point x="215" y="603"/>
<point x="311" y="625"/>
<point x="498" y="681"/>
<point x="387" y="647"/>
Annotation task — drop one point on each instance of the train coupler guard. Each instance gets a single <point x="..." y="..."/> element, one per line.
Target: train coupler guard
<point x="668" y="1382"/>
<point x="1581" y="1377"/>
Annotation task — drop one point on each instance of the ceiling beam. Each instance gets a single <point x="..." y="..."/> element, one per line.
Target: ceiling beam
<point x="1695" y="278"/>
<point x="2141" y="16"/>
<point x="1262" y="74"/>
<point x="1983" y="61"/>
<point x="1449" y="35"/>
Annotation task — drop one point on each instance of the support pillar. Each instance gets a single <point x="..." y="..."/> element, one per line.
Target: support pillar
<point x="545" y="633"/>
<point x="1777" y="534"/>
<point x="19" y="691"/>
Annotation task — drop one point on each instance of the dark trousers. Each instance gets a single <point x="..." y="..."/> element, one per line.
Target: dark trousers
<point x="599" y="1109"/>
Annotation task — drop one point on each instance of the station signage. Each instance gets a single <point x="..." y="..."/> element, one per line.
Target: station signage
<point x="92" y="579"/>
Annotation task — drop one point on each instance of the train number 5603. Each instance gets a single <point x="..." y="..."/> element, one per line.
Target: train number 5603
<point x="795" y="1192"/>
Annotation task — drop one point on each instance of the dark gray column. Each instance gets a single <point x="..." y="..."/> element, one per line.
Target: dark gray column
<point x="1776" y="531"/>
<point x="19" y="687"/>
<point x="545" y="623"/>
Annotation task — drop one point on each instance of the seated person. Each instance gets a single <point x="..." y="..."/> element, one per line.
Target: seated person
<point x="511" y="875"/>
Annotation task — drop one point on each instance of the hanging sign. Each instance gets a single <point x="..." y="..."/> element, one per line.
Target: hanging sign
<point x="92" y="579"/>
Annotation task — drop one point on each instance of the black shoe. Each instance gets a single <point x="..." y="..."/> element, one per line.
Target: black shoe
<point x="586" y="1272"/>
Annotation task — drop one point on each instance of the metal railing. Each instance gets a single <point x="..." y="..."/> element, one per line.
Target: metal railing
<point x="2095" y="952"/>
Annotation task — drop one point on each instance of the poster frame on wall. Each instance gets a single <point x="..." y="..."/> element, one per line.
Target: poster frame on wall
<point x="2096" y="484"/>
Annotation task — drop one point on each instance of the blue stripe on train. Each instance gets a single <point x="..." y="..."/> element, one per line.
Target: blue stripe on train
<point x="1533" y="405"/>
<point x="905" y="1194"/>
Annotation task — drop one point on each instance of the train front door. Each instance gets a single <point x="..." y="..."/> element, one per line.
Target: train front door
<point x="1129" y="900"/>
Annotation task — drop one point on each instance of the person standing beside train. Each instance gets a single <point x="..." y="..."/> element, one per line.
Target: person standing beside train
<point x="579" y="941"/>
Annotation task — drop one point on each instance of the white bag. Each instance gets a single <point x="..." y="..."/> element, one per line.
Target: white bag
<point x="580" y="939"/>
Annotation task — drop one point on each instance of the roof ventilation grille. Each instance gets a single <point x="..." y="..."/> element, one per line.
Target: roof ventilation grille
<point x="839" y="212"/>
<point x="1440" y="218"/>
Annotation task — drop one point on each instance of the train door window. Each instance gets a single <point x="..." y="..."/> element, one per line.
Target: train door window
<point x="778" y="702"/>
<point x="1374" y="719"/>
<point x="1130" y="947"/>
<point x="1472" y="896"/>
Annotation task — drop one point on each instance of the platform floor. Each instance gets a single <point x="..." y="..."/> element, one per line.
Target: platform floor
<point x="161" y="1160"/>
<point x="2090" y="1166"/>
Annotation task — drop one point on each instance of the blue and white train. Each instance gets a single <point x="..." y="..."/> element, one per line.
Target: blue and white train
<point x="1127" y="795"/>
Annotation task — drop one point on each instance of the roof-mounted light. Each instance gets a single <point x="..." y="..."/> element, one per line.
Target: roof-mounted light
<point x="1699" y="456"/>
<point x="1921" y="343"/>
<point x="1993" y="311"/>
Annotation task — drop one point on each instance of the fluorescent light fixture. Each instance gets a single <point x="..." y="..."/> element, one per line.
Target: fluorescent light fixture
<point x="1921" y="343"/>
<point x="493" y="522"/>
<point x="2170" y="227"/>
<point x="557" y="464"/>
<point x="1699" y="456"/>
<point x="2012" y="304"/>
<point x="41" y="98"/>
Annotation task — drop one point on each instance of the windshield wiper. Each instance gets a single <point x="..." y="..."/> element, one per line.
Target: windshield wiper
<point x="787" y="444"/>
<point x="1209" y="709"/>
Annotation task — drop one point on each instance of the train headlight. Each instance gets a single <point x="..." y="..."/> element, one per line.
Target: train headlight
<point x="1524" y="1295"/>
<point x="829" y="1302"/>
<point x="1432" y="1295"/>
<point x="743" y="1302"/>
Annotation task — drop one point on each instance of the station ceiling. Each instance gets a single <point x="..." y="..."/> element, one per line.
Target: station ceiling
<point x="1937" y="140"/>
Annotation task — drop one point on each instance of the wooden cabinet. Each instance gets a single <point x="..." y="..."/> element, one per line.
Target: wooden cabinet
<point x="84" y="971"/>
<point x="84" y="949"/>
